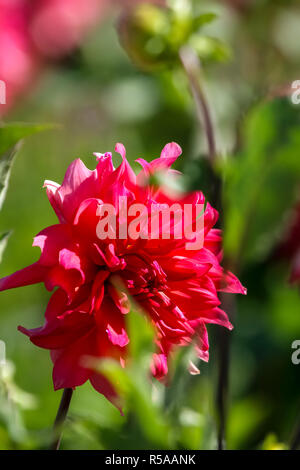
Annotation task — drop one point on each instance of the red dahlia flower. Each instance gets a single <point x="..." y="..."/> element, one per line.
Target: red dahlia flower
<point x="289" y="247"/>
<point x="177" y="288"/>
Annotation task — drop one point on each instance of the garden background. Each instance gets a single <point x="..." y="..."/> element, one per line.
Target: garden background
<point x="97" y="96"/>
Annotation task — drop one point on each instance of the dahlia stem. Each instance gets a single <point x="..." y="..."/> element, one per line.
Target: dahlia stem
<point x="61" y="417"/>
<point x="295" y="443"/>
<point x="295" y="440"/>
<point x="192" y="67"/>
<point x="224" y="343"/>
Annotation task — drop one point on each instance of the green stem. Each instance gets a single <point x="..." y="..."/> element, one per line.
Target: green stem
<point x="61" y="417"/>
<point x="192" y="67"/>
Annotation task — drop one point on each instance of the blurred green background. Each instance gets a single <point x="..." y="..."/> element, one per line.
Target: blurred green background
<point x="99" y="97"/>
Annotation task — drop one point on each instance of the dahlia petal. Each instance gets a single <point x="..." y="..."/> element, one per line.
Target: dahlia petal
<point x="51" y="240"/>
<point x="231" y="284"/>
<point x="79" y="184"/>
<point x="109" y="258"/>
<point x="103" y="386"/>
<point x="117" y="339"/>
<point x="105" y="166"/>
<point x="202" y="346"/>
<point x="62" y="333"/>
<point x="171" y="151"/>
<point x="88" y="210"/>
<point x="119" y="148"/>
<point x="144" y="164"/>
<point x="211" y="217"/>
<point x="213" y="241"/>
<point x="71" y="261"/>
<point x="68" y="370"/>
<point x="180" y="268"/>
<point x="168" y="156"/>
<point x="218" y="317"/>
<point x="54" y="199"/>
<point x="111" y="319"/>
<point x="122" y="175"/>
<point x="97" y="294"/>
<point x="159" y="366"/>
<point x="32" y="274"/>
<point x="75" y="175"/>
<point x="57" y="305"/>
<point x="195" y="299"/>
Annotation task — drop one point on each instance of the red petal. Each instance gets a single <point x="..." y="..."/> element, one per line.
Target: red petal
<point x="103" y="386"/>
<point x="32" y="274"/>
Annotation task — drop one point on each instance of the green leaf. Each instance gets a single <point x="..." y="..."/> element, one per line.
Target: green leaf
<point x="12" y="133"/>
<point x="209" y="48"/>
<point x="141" y="336"/>
<point x="203" y="19"/>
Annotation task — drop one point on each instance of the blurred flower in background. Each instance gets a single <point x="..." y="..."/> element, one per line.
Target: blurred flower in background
<point x="36" y="32"/>
<point x="57" y="26"/>
<point x="32" y="32"/>
<point x="19" y="61"/>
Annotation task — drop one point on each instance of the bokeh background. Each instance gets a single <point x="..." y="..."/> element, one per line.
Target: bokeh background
<point x="98" y="96"/>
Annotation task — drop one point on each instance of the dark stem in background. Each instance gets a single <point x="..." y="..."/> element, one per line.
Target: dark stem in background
<point x="224" y="343"/>
<point x="61" y="417"/>
<point x="295" y="442"/>
<point x="192" y="67"/>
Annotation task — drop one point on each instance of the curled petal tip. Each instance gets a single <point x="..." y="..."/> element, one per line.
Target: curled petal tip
<point x="119" y="148"/>
<point x="171" y="150"/>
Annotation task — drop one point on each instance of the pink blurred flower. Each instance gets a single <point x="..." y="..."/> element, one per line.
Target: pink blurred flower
<point x="33" y="32"/>
<point x="95" y="280"/>
<point x="18" y="60"/>
<point x="57" y="26"/>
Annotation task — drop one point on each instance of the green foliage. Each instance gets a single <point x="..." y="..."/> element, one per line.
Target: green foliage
<point x="12" y="398"/>
<point x="271" y="443"/>
<point x="11" y="133"/>
<point x="155" y="416"/>
<point x="153" y="36"/>
<point x="11" y="136"/>
<point x="135" y="385"/>
<point x="261" y="182"/>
